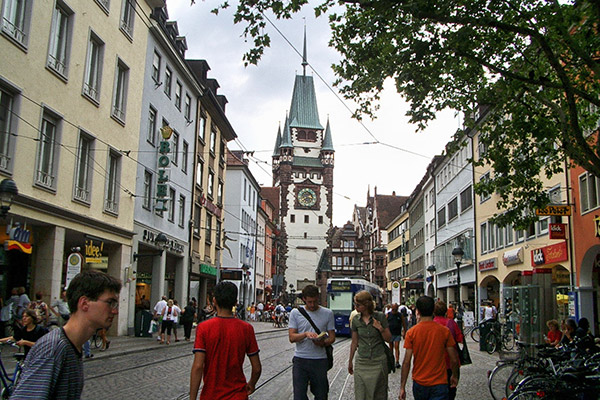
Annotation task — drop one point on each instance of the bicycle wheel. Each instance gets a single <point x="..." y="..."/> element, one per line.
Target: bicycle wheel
<point x="513" y="380"/>
<point x="508" y="340"/>
<point x="4" y="393"/>
<point x="491" y="342"/>
<point x="96" y="341"/>
<point x="498" y="379"/>
<point x="475" y="334"/>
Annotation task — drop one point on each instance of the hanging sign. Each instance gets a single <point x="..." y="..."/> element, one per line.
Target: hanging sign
<point x="18" y="238"/>
<point x="164" y="163"/>
<point x="558" y="231"/>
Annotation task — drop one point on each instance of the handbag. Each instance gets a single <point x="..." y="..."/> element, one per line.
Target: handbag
<point x="391" y="361"/>
<point x="328" y="348"/>
<point x="463" y="354"/>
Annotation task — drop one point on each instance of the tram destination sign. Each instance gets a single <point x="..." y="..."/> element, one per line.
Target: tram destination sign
<point x="555" y="210"/>
<point x="340" y="286"/>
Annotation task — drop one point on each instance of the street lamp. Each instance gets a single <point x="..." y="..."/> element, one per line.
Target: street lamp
<point x="458" y="254"/>
<point x="8" y="190"/>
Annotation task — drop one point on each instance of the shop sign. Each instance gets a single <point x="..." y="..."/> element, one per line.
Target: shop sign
<point x="93" y="254"/>
<point x="269" y="282"/>
<point x="144" y="277"/>
<point x="557" y="231"/>
<point x="164" y="164"/>
<point x="172" y="245"/>
<point x="560" y="276"/>
<point x="18" y="238"/>
<point x="210" y="206"/>
<point x="208" y="270"/>
<point x="597" y="225"/>
<point x="487" y="265"/>
<point x="512" y="257"/>
<point x="554" y="209"/>
<point x="550" y="254"/>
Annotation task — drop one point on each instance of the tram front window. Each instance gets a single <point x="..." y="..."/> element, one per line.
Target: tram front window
<point x="341" y="302"/>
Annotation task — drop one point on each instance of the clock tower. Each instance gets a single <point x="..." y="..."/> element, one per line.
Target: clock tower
<point x="303" y="170"/>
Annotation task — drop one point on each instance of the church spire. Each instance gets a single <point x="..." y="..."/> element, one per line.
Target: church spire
<point x="304" y="62"/>
<point x="277" y="142"/>
<point x="327" y="140"/>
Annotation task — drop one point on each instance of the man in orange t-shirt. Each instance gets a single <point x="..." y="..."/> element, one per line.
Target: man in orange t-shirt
<point x="427" y="342"/>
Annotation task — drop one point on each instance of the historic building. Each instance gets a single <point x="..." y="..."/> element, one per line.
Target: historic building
<point x="398" y="255"/>
<point x="303" y="161"/>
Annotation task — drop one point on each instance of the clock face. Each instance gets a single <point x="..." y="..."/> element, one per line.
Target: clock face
<point x="307" y="197"/>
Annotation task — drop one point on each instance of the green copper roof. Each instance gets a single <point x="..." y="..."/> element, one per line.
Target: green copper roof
<point x="277" y="143"/>
<point x="303" y="111"/>
<point x="327" y="142"/>
<point x="324" y="262"/>
<point x="286" y="137"/>
<point x="307" y="162"/>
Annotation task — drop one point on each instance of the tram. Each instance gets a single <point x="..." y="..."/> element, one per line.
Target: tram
<point x="340" y="299"/>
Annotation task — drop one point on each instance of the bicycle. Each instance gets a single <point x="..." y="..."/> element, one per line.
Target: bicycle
<point x="499" y="337"/>
<point x="96" y="340"/>
<point x="10" y="381"/>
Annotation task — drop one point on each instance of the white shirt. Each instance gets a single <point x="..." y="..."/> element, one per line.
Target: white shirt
<point x="160" y="306"/>
<point x="488" y="313"/>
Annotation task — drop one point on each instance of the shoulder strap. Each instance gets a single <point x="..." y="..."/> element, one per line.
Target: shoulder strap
<point x="309" y="319"/>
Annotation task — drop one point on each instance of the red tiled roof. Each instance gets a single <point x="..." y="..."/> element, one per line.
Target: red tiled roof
<point x="272" y="195"/>
<point x="388" y="207"/>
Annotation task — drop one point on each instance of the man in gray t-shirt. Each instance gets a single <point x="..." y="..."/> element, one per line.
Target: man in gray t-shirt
<point x="310" y="358"/>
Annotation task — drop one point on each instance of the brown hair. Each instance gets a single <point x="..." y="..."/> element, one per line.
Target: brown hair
<point x="552" y="323"/>
<point x="310" y="291"/>
<point x="364" y="298"/>
<point x="440" y="309"/>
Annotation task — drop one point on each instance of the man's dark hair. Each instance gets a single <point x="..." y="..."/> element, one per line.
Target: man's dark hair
<point x="226" y="294"/>
<point x="425" y="306"/>
<point x="310" y="291"/>
<point x="91" y="284"/>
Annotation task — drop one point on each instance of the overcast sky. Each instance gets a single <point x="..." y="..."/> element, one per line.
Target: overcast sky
<point x="259" y="97"/>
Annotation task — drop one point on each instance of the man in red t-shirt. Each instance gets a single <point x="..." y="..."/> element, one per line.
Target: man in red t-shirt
<point x="428" y="342"/>
<point x="219" y="350"/>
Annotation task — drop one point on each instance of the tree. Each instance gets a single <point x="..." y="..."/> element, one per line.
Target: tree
<point x="534" y="63"/>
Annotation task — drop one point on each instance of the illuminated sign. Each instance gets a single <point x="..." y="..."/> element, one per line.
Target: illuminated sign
<point x="340" y="286"/>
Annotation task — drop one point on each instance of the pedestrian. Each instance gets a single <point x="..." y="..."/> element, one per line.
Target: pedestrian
<point x="440" y="311"/>
<point x="387" y="309"/>
<point x="397" y="324"/>
<point x="105" y="342"/>
<point x="370" y="334"/>
<point x="60" y="308"/>
<point x="554" y="333"/>
<point x="41" y="309"/>
<point x="177" y="316"/>
<point x="260" y="308"/>
<point x="219" y="350"/>
<point x="188" y="315"/>
<point x="450" y="313"/>
<point x="309" y="364"/>
<point x="29" y="333"/>
<point x="168" y="318"/>
<point x="8" y="312"/>
<point x="54" y="367"/>
<point x="23" y="302"/>
<point x="427" y="342"/>
<point x="253" y="312"/>
<point x="412" y="316"/>
<point x="158" y="310"/>
<point x="569" y="326"/>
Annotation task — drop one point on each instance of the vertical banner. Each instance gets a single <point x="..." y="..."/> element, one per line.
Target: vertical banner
<point x="74" y="262"/>
<point x="396" y="292"/>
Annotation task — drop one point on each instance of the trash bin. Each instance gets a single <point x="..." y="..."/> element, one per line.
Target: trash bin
<point x="484" y="329"/>
<point x="142" y="323"/>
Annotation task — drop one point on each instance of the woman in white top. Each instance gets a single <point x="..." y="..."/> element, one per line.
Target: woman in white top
<point x="170" y="315"/>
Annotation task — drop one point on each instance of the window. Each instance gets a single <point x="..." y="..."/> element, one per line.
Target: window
<point x="320" y="219"/>
<point x="111" y="203"/>
<point x="508" y="230"/>
<point x="220" y="193"/>
<point x="181" y="218"/>
<point x="519" y="235"/>
<point x="15" y="20"/>
<point x="484" y="178"/>
<point x="197" y="213"/>
<point x="178" y="89"/>
<point x="202" y="127"/>
<point x="441" y="214"/>
<point x="60" y="39"/>
<point x="156" y="68"/>
<point x="151" y="134"/>
<point x="453" y="209"/>
<point x="199" y="171"/>
<point x="171" y="210"/>
<point x="188" y="108"/>
<point x="588" y="192"/>
<point x="306" y="219"/>
<point x="120" y="95"/>
<point x="127" y="17"/>
<point x="492" y="236"/>
<point x="93" y="68"/>
<point x="484" y="238"/>
<point x="168" y="79"/>
<point x="184" y="157"/>
<point x="292" y="218"/>
<point x="47" y="152"/>
<point x="147" y="202"/>
<point x="213" y="139"/>
<point x="466" y="200"/>
<point x="222" y="152"/>
<point x="245" y="189"/>
<point x="211" y="183"/>
<point x="175" y="149"/>
<point x="6" y="117"/>
<point x="499" y="237"/>
<point x="543" y="225"/>
<point x="104" y="4"/>
<point x="83" y="168"/>
<point x="208" y="228"/>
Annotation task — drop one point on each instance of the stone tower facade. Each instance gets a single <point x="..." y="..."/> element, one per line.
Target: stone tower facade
<point x="303" y="161"/>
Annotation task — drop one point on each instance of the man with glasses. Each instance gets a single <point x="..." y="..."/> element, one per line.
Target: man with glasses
<point x="54" y="368"/>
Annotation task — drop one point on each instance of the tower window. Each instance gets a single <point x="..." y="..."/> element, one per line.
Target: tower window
<point x="292" y="218"/>
<point x="320" y="219"/>
<point x="305" y="236"/>
<point x="306" y="219"/>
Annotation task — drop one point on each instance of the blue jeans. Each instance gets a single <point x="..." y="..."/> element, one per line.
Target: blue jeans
<point x="86" y="348"/>
<point x="436" y="392"/>
<point x="314" y="371"/>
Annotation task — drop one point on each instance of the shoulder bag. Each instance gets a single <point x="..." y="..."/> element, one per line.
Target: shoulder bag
<point x="328" y="348"/>
<point x="391" y="361"/>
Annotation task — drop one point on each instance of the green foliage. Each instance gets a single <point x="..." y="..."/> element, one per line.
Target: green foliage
<point x="534" y="63"/>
